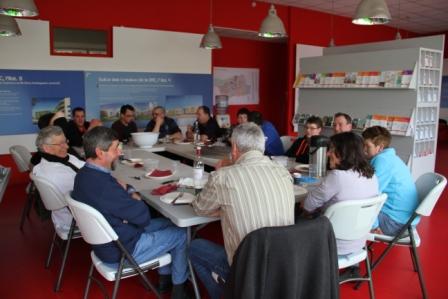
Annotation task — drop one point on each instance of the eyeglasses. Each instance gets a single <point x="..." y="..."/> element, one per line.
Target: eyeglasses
<point x="311" y="128"/>
<point x="59" y="144"/>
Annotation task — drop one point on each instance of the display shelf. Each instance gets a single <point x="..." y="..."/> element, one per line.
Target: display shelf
<point x="418" y="100"/>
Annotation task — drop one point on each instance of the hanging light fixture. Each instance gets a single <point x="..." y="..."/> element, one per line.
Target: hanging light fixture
<point x="211" y="40"/>
<point x="18" y="8"/>
<point x="272" y="26"/>
<point x="398" y="35"/>
<point x="332" y="44"/>
<point x="372" y="12"/>
<point x="8" y="26"/>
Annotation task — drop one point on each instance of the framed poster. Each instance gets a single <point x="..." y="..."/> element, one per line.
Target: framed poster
<point x="241" y="85"/>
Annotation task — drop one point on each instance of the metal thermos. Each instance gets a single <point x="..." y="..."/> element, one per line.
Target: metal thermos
<point x="318" y="155"/>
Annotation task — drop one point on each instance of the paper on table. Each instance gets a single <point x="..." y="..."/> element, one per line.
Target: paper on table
<point x="186" y="198"/>
<point x="189" y="182"/>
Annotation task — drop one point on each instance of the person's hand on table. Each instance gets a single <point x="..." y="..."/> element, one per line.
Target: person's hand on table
<point x="136" y="195"/>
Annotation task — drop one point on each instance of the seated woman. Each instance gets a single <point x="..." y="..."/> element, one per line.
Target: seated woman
<point x="300" y="148"/>
<point x="351" y="177"/>
<point x="394" y="179"/>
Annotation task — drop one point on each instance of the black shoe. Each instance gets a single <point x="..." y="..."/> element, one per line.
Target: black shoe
<point x="165" y="284"/>
<point x="350" y="273"/>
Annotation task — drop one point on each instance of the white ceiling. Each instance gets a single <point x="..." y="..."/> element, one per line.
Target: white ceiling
<point x="419" y="16"/>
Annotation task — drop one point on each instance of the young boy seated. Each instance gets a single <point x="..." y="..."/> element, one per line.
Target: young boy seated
<point x="394" y="179"/>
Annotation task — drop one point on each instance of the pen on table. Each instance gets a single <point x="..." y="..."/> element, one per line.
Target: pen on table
<point x="167" y="182"/>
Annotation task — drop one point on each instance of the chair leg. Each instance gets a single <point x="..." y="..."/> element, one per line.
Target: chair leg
<point x="369" y="274"/>
<point x="419" y="268"/>
<point x="118" y="277"/>
<point x="50" y="252"/>
<point x="26" y="209"/>
<point x="64" y="257"/>
<point x="89" y="281"/>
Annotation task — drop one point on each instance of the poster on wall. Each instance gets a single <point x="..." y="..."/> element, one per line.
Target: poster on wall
<point x="241" y="85"/>
<point x="180" y="94"/>
<point x="27" y="95"/>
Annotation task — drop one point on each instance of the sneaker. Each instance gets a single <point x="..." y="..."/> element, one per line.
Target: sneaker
<point x="351" y="273"/>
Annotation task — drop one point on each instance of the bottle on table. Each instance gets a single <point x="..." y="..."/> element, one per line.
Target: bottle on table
<point x="198" y="170"/>
<point x="197" y="135"/>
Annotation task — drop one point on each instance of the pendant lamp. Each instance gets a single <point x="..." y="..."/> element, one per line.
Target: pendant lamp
<point x="18" y="8"/>
<point x="372" y="12"/>
<point x="211" y="40"/>
<point x="272" y="26"/>
<point x="8" y="26"/>
<point x="332" y="44"/>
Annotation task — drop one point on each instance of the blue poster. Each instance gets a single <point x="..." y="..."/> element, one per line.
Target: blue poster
<point x="180" y="94"/>
<point x="27" y="95"/>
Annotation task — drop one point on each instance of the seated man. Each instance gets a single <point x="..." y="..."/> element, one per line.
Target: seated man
<point x="274" y="145"/>
<point x="252" y="193"/>
<point x="394" y="179"/>
<point x="342" y="122"/>
<point x="300" y="148"/>
<point x="143" y="237"/>
<point x="207" y="125"/>
<point x="78" y="126"/>
<point x="57" y="166"/>
<point x="126" y="125"/>
<point x="164" y="125"/>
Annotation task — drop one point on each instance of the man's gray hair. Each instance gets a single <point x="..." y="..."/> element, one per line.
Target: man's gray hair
<point x="159" y="107"/>
<point x="46" y="135"/>
<point x="98" y="137"/>
<point x="248" y="137"/>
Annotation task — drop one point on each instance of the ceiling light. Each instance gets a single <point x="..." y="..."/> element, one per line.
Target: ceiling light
<point x="272" y="25"/>
<point x="18" y="8"/>
<point x="211" y="40"/>
<point x="8" y="26"/>
<point x="372" y="12"/>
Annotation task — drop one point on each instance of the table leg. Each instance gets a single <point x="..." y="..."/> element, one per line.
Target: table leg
<point x="193" y="277"/>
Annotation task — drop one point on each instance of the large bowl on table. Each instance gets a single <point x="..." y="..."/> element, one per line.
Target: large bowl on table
<point x="145" y="139"/>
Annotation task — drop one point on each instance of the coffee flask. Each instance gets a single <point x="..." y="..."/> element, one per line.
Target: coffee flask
<point x="318" y="155"/>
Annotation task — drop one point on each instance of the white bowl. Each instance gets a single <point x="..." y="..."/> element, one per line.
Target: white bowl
<point x="145" y="139"/>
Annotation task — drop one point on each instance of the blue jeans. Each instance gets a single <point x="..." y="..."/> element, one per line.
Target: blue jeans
<point x="162" y="236"/>
<point x="387" y="225"/>
<point x="210" y="262"/>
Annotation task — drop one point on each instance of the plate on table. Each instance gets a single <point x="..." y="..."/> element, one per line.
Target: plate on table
<point x="132" y="161"/>
<point x="185" y="199"/>
<point x="182" y="142"/>
<point x="159" y="174"/>
<point x="302" y="168"/>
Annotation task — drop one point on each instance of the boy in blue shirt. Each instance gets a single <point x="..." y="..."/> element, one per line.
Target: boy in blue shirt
<point x="394" y="179"/>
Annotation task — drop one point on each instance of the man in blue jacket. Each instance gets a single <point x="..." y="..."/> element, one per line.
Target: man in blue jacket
<point x="143" y="237"/>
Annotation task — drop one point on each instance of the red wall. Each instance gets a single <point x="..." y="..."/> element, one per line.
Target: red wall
<point x="275" y="61"/>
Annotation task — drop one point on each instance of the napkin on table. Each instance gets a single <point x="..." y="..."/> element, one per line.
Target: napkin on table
<point x="164" y="189"/>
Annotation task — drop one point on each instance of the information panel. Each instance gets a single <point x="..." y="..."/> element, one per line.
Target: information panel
<point x="26" y="95"/>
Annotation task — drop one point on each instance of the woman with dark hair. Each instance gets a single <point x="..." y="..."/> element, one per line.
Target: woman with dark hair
<point x="351" y="177"/>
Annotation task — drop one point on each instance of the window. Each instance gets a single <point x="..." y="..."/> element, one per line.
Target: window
<point x="81" y="42"/>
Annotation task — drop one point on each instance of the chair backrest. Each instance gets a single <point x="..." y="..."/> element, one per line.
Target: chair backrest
<point x="429" y="188"/>
<point x="21" y="156"/>
<point x="353" y="219"/>
<point x="52" y="198"/>
<point x="93" y="226"/>
<point x="287" y="141"/>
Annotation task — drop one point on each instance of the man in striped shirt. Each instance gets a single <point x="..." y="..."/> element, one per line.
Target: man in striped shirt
<point x="252" y="193"/>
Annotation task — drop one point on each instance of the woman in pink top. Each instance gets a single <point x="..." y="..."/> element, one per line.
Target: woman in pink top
<point x="351" y="177"/>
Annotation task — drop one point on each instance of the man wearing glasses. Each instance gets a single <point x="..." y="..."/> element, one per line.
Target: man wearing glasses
<point x="300" y="148"/>
<point x="57" y="166"/>
<point x="164" y="125"/>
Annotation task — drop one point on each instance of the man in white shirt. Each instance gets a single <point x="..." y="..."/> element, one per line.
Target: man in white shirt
<point x="57" y="166"/>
